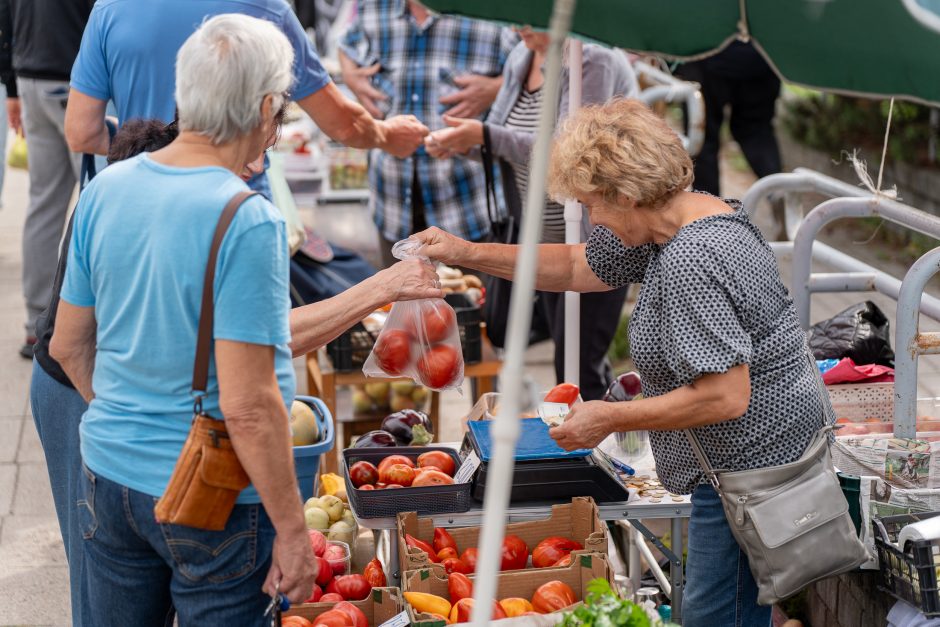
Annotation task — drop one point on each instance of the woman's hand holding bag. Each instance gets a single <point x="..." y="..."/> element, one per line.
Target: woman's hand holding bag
<point x="420" y="339"/>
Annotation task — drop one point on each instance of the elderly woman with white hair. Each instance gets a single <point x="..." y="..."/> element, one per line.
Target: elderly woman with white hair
<point x="126" y="336"/>
<point x="714" y="335"/>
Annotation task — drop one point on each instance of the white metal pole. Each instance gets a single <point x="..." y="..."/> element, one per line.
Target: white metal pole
<point x="505" y="430"/>
<point x="573" y="231"/>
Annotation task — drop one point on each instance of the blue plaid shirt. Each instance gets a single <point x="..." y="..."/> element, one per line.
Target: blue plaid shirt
<point x="418" y="67"/>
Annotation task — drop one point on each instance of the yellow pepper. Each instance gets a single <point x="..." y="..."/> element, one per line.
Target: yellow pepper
<point x="430" y="603"/>
<point x="516" y="606"/>
<point x="331" y="483"/>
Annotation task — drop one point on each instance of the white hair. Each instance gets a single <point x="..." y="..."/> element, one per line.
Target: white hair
<point x="224" y="71"/>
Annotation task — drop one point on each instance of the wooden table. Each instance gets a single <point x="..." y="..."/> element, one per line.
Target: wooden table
<point x="323" y="381"/>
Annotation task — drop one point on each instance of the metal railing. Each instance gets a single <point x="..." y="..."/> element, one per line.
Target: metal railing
<point x="853" y="275"/>
<point x="669" y="89"/>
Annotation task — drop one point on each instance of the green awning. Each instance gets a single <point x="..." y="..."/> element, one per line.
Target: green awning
<point x="875" y="48"/>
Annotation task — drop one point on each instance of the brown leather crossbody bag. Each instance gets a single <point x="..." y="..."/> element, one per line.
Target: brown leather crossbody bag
<point x="208" y="476"/>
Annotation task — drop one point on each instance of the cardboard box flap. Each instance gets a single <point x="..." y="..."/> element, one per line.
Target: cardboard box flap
<point x="382" y="605"/>
<point x="585" y="566"/>
<point x="578" y="520"/>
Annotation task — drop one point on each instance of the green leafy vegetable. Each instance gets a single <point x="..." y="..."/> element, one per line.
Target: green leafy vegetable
<point x="603" y="608"/>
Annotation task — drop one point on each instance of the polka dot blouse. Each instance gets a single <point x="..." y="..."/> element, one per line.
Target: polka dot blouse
<point x="712" y="299"/>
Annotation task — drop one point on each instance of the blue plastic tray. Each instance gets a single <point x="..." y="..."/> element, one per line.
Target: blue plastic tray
<point x="534" y="441"/>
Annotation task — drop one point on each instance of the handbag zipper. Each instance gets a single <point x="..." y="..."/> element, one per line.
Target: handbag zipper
<point x="739" y="514"/>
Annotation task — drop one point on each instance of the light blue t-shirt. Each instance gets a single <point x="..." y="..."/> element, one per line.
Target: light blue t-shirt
<point x="138" y="252"/>
<point x="128" y="51"/>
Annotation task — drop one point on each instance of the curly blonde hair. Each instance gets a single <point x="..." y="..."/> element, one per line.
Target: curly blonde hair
<point x="618" y="148"/>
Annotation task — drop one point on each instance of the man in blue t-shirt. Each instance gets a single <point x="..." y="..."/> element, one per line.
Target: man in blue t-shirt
<point x="128" y="55"/>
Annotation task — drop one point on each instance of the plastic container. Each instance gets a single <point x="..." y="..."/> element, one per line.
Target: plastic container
<point x="340" y="566"/>
<point x="307" y="458"/>
<point x="426" y="501"/>
<point x="907" y="575"/>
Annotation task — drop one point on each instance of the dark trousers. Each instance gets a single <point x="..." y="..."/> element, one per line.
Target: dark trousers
<point x="751" y="89"/>
<point x="600" y="314"/>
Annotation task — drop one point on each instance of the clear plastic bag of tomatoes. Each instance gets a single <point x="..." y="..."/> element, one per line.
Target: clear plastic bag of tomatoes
<point x="420" y="339"/>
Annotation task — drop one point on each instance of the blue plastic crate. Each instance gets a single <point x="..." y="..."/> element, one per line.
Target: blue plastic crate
<point x="307" y="458"/>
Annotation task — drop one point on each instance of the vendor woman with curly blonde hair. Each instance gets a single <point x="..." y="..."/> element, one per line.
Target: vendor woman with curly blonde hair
<point x="714" y="334"/>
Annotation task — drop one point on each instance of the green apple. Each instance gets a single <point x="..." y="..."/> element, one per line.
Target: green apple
<point x="317" y="518"/>
<point x="378" y="391"/>
<point x="333" y="506"/>
<point x="403" y="387"/>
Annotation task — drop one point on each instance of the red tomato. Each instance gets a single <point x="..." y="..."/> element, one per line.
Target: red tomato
<point x="395" y="459"/>
<point x="315" y="594"/>
<point x="398" y="474"/>
<point x="547" y="552"/>
<point x="374" y="574"/>
<point x="331" y="597"/>
<point x="447" y="552"/>
<point x="350" y="587"/>
<point x="432" y="477"/>
<point x="565" y="561"/>
<point x="439" y="367"/>
<point x="437" y="320"/>
<point x="563" y="393"/>
<point x="469" y="557"/>
<point x="333" y="618"/>
<point x="354" y="613"/>
<point x="324" y="571"/>
<point x="443" y="539"/>
<point x="454" y="565"/>
<point x="553" y="596"/>
<point x="515" y="553"/>
<point x="367" y="486"/>
<point x="296" y="621"/>
<point x="459" y="587"/>
<point x="393" y="351"/>
<point x="363" y="473"/>
<point x="463" y="609"/>
<point x="391" y="485"/>
<point x="438" y="459"/>
<point x="412" y="541"/>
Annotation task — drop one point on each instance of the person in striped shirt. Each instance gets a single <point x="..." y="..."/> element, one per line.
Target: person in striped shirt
<point x="509" y="136"/>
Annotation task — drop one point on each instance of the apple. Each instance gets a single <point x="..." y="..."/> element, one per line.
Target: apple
<point x="333" y="506"/>
<point x="337" y="556"/>
<point x="317" y="542"/>
<point x="317" y="518"/>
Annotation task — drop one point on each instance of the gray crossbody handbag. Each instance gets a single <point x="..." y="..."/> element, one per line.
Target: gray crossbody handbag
<point x="792" y="521"/>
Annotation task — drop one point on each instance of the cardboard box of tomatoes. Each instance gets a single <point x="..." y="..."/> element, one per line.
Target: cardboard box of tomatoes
<point x="432" y="597"/>
<point x="571" y="526"/>
<point x="381" y="605"/>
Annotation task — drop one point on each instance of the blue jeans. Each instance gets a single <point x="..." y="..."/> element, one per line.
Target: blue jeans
<point x="720" y="590"/>
<point x="137" y="570"/>
<point x="57" y="412"/>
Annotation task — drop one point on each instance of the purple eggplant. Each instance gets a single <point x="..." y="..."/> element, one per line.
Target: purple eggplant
<point x="375" y="439"/>
<point x="626" y="387"/>
<point x="409" y="427"/>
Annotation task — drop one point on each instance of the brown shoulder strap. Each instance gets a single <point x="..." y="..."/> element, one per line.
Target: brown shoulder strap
<point x="207" y="312"/>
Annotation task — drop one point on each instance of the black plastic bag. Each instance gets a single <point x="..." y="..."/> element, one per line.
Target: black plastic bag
<point x="860" y="332"/>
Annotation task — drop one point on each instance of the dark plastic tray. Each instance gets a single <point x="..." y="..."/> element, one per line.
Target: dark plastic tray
<point x="350" y="350"/>
<point x="907" y="575"/>
<point x="428" y="500"/>
<point x="553" y="480"/>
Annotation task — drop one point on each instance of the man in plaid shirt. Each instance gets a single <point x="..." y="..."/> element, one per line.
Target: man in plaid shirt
<point x="399" y="57"/>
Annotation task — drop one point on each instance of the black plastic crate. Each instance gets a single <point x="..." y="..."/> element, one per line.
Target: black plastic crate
<point x="427" y="500"/>
<point x="907" y="575"/>
<point x="469" y="319"/>
<point x="350" y="350"/>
